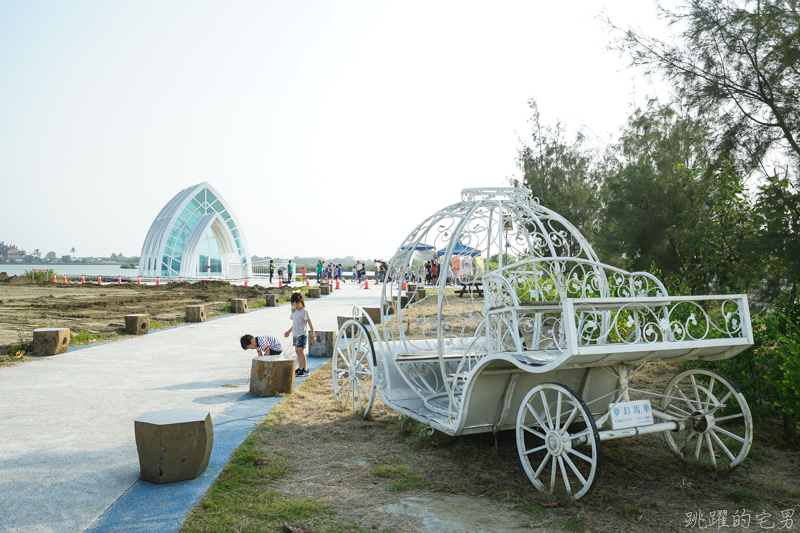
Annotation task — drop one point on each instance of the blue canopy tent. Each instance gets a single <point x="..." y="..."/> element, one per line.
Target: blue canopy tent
<point x="460" y="249"/>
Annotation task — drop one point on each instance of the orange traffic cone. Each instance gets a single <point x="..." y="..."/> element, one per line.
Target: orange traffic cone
<point x="138" y="280"/>
<point x="366" y="284"/>
<point x="158" y="280"/>
<point x="99" y="280"/>
<point x="65" y="277"/>
<point x="54" y="278"/>
<point x="119" y="280"/>
<point x="307" y="285"/>
<point x="83" y="279"/>
<point x="180" y="279"/>
<point x="245" y="281"/>
<point x="405" y="287"/>
<point x="337" y="284"/>
<point x="280" y="282"/>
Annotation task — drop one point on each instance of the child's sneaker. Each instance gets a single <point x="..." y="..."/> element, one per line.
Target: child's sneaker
<point x="298" y="372"/>
<point x="304" y="372"/>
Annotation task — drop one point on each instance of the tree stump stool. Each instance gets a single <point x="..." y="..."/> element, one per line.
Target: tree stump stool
<point x="420" y="294"/>
<point x="137" y="324"/>
<point x="173" y="445"/>
<point x="374" y="313"/>
<point x="389" y="308"/>
<point x="412" y="287"/>
<point x="272" y="300"/>
<point x="313" y="292"/>
<point x="323" y="347"/>
<point x="271" y="375"/>
<point x="340" y="320"/>
<point x="325" y="290"/>
<point x="50" y="341"/>
<point x="404" y="301"/>
<point x="239" y="305"/>
<point x="195" y="313"/>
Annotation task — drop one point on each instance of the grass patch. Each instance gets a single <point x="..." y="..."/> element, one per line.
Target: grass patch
<point x="159" y="324"/>
<point x="84" y="337"/>
<point x="259" y="303"/>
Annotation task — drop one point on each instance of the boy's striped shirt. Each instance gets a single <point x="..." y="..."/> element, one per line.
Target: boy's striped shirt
<point x="267" y="343"/>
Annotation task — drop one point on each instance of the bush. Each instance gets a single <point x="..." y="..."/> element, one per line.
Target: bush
<point x="769" y="372"/>
<point x="39" y="275"/>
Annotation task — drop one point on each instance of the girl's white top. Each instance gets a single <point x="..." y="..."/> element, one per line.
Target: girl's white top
<point x="299" y="319"/>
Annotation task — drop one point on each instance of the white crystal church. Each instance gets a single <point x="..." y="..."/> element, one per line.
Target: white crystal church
<point x="196" y="235"/>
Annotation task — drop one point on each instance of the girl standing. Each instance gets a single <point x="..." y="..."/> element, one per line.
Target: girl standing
<point x="299" y="318"/>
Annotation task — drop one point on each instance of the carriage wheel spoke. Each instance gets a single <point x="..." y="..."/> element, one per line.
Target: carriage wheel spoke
<point x="533" y="432"/>
<point x="696" y="390"/>
<point x="546" y="410"/>
<point x="571" y="417"/>
<point x="553" y="470"/>
<point x="534" y="450"/>
<point x="363" y="387"/>
<point x="698" y="446"/>
<point x="574" y="469"/>
<point x="728" y="433"/>
<point x="579" y="454"/>
<point x="541" y="466"/>
<point x="536" y="416"/>
<point x="558" y="412"/>
<point x="564" y="475"/>
<point x="711" y="449"/>
<point x="729" y="417"/>
<point x="722" y="445"/>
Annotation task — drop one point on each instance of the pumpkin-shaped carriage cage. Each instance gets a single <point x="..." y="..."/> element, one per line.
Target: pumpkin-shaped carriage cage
<point x="498" y="315"/>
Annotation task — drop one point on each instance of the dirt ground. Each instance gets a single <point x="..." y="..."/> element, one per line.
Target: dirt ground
<point x="391" y="475"/>
<point x="100" y="309"/>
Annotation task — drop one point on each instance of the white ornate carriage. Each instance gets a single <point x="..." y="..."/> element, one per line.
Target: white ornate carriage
<point x="526" y="329"/>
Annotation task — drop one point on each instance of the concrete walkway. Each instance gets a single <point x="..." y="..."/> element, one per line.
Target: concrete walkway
<point x="67" y="448"/>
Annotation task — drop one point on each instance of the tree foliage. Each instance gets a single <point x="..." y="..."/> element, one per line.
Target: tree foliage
<point x="738" y="59"/>
<point x="560" y="173"/>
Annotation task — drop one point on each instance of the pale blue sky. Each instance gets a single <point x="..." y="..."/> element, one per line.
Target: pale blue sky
<point x="332" y="128"/>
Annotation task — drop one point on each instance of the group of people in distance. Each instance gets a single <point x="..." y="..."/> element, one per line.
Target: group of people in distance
<point x="431" y="272"/>
<point x="330" y="271"/>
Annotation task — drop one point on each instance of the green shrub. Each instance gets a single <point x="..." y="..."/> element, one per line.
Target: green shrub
<point x="39" y="275"/>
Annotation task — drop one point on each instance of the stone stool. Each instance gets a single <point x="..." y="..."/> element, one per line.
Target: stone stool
<point x="313" y="292"/>
<point x="137" y="324"/>
<point x="271" y="375"/>
<point x="412" y="287"/>
<point x="272" y="300"/>
<point x="50" y="341"/>
<point x="374" y="313"/>
<point x="239" y="305"/>
<point x="195" y="313"/>
<point x="340" y="320"/>
<point x="420" y="294"/>
<point x="173" y="445"/>
<point x="323" y="347"/>
<point x="325" y="290"/>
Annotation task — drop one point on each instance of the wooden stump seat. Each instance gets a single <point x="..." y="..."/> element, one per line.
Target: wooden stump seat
<point x="271" y="375"/>
<point x="272" y="300"/>
<point x="173" y="445"/>
<point x="195" y="313"/>
<point x="137" y="324"/>
<point x="325" y="290"/>
<point x="323" y="347"/>
<point x="239" y="305"/>
<point x="50" y="341"/>
<point x="314" y="292"/>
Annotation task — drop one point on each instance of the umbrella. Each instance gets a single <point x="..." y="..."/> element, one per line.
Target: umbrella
<point x="460" y="249"/>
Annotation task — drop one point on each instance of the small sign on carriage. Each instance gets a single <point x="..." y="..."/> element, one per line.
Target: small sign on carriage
<point x="631" y="414"/>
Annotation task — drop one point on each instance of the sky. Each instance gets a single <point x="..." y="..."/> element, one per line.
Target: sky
<point x="331" y="128"/>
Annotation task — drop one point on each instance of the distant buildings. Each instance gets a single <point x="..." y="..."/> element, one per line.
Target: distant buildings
<point x="11" y="253"/>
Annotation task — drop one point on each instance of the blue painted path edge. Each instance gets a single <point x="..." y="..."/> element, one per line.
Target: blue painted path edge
<point x="147" y="507"/>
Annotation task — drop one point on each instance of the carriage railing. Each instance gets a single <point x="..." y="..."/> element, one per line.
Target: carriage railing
<point x="616" y="325"/>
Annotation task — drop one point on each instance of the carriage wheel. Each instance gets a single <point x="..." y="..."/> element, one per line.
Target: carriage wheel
<point x="353" y="368"/>
<point x="720" y="429"/>
<point x="558" y="441"/>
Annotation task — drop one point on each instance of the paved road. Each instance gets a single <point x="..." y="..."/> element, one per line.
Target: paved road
<point x="67" y="449"/>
